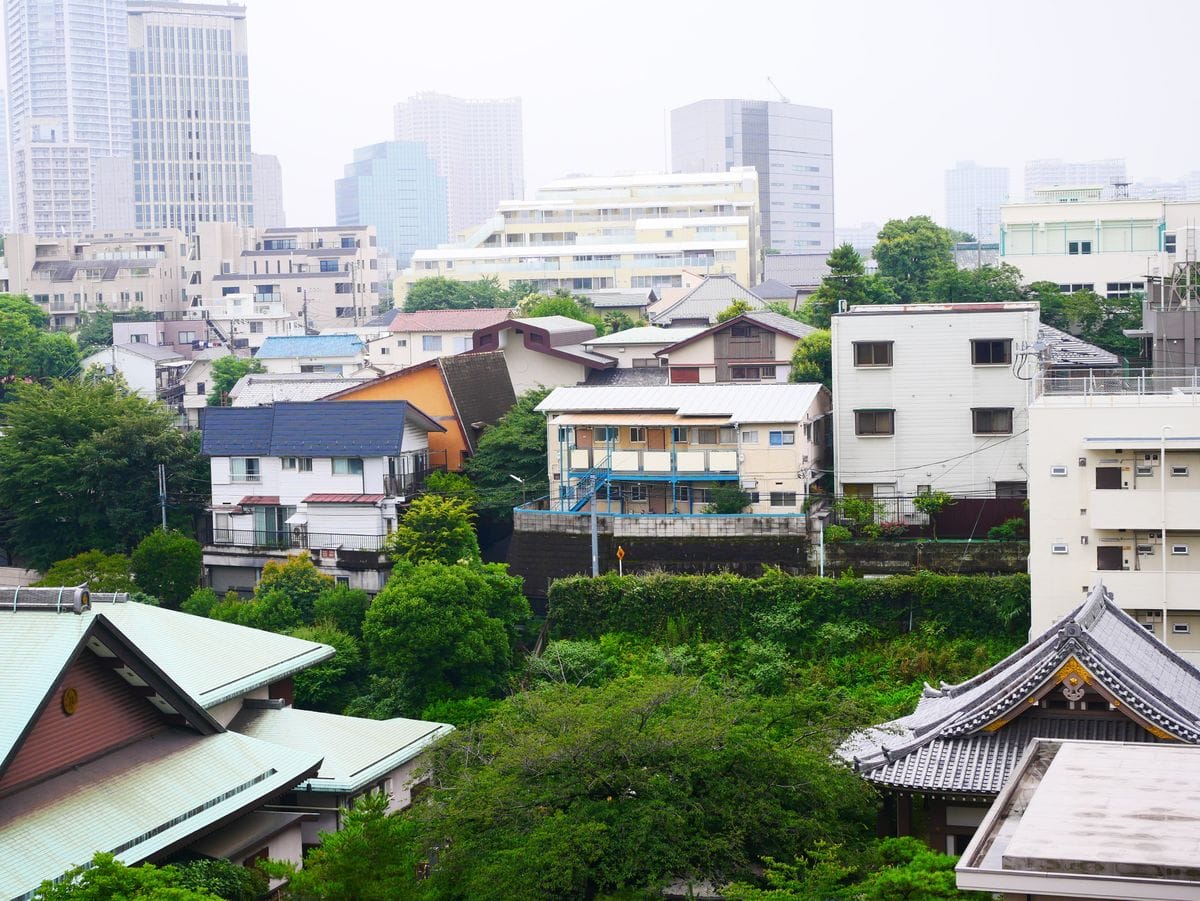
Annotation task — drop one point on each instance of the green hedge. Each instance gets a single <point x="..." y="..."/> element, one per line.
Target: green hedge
<point x="789" y="609"/>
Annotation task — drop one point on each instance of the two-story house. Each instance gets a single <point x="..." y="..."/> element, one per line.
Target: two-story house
<point x="424" y="335"/>
<point x="662" y="449"/>
<point x="754" y="347"/>
<point x="543" y="350"/>
<point x="326" y="478"/>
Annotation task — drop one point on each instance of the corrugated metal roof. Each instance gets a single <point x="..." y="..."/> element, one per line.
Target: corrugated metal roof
<point x="343" y="498"/>
<point x="282" y="347"/>
<point x="1063" y="349"/>
<point x="260" y="500"/>
<point x="637" y="378"/>
<point x="740" y="403"/>
<point x="355" y="752"/>
<point x="646" y="334"/>
<point x="449" y="320"/>
<point x="713" y="295"/>
<point x="608" y="300"/>
<point x="145" y="798"/>
<point x="255" y="391"/>
<point x="800" y="270"/>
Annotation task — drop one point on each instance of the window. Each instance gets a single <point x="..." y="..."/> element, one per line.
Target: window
<point x="872" y="353"/>
<point x="781" y="439"/>
<point x="991" y="351"/>
<point x="924" y="489"/>
<point x="992" y="420"/>
<point x="244" y="469"/>
<point x="297" y="464"/>
<point x="200" y="388"/>
<point x="1168" y="243"/>
<point x="708" y="436"/>
<point x="685" y="375"/>
<point x="749" y="436"/>
<point x="682" y="492"/>
<point x="1079" y="247"/>
<point x="646" y="363"/>
<point x="347" y="466"/>
<point x="1179" y="470"/>
<point x="185" y="338"/>
<point x="751" y="373"/>
<point x="638" y="493"/>
<point x="637" y="434"/>
<point x="1145" y="550"/>
<point x="1124" y="290"/>
<point x="329" y="266"/>
<point x="256" y="328"/>
<point x="679" y="434"/>
<point x="1179" y="550"/>
<point x="1012" y="489"/>
<point x="874" y="422"/>
<point x="741" y="331"/>
<point x="606" y="433"/>
<point x="783" y="498"/>
<point x="1181" y="628"/>
<point x="1076" y="286"/>
<point x="342" y="580"/>
<point x="431" y="342"/>
<point x="384" y="351"/>
<point x="1144" y="469"/>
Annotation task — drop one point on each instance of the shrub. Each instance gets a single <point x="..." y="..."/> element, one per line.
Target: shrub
<point x="870" y="531"/>
<point x="297" y="578"/>
<point x="726" y="499"/>
<point x="200" y="602"/>
<point x="893" y="529"/>
<point x="931" y="505"/>
<point x="344" y="607"/>
<point x="1009" y="530"/>
<point x="838" y="533"/>
<point x="102" y="572"/>
<point x="167" y="565"/>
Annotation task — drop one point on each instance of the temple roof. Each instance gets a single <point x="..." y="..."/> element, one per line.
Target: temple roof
<point x="959" y="741"/>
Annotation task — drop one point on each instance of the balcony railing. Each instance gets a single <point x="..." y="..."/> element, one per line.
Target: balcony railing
<point x="1138" y="382"/>
<point x="656" y="462"/>
<point x="296" y="538"/>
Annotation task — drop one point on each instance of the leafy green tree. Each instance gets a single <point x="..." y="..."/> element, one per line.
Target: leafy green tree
<point x="735" y="309"/>
<point x="626" y="786"/>
<point x="435" y="528"/>
<point x="562" y="303"/>
<point x="78" y="465"/>
<point x="452" y="484"/>
<point x="910" y="252"/>
<point x="271" y="611"/>
<point x="226" y="372"/>
<point x="988" y="284"/>
<point x="328" y="685"/>
<point x="53" y="356"/>
<point x="812" y="360"/>
<point x="446" y="630"/>
<point x="342" y="607"/>
<point x="107" y="879"/>
<point x="726" y="499"/>
<point x="223" y="878"/>
<point x="619" y="321"/>
<point x="514" y="446"/>
<point x="439" y="293"/>
<point x="167" y="565"/>
<point x="297" y="578"/>
<point x="95" y="330"/>
<point x="847" y="281"/>
<point x="200" y="602"/>
<point x="21" y="306"/>
<point x="26" y="349"/>
<point x="102" y="572"/>
<point x="17" y="336"/>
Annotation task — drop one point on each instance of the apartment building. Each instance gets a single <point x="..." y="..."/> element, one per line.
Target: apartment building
<point x="424" y="335"/>
<point x="53" y="177"/>
<point x="974" y="195"/>
<point x="120" y="271"/>
<point x="543" y="350"/>
<point x="662" y="449"/>
<point x="1079" y="241"/>
<point x="268" y="191"/>
<point x="323" y="477"/>
<point x="1057" y="173"/>
<point x="622" y="232"/>
<point x="1114" y="470"/>
<point x="788" y="144"/>
<point x="477" y="146"/>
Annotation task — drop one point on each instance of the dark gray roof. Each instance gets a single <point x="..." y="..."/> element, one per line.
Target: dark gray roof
<point x="1063" y="349"/>
<point x="800" y="270"/>
<point x="383" y="320"/>
<point x="773" y="289"/>
<point x="480" y="389"/>
<point x="780" y="323"/>
<point x="66" y="270"/>
<point x="702" y="304"/>
<point x="606" y="300"/>
<point x="317" y="429"/>
<point x="959" y="737"/>
<point x="644" y="377"/>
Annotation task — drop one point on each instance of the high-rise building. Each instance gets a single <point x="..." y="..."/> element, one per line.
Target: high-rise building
<point x="54" y="176"/>
<point x="973" y="198"/>
<point x="5" y="194"/>
<point x="190" y="97"/>
<point x="477" y="147"/>
<point x="1056" y="173"/>
<point x="790" y="145"/>
<point x="394" y="186"/>
<point x="68" y="71"/>
<point x="268" y="191"/>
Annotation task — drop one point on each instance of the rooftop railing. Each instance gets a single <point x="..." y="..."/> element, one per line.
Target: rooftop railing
<point x="1099" y="382"/>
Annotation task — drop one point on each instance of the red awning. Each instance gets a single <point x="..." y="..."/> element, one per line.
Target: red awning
<point x="260" y="500"/>
<point x="344" y="498"/>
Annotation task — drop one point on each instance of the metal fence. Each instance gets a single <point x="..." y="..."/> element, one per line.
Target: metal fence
<point x="297" y="538"/>
<point x="1088" y="382"/>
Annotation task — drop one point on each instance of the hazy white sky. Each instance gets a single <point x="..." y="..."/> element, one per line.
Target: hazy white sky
<point x="914" y="86"/>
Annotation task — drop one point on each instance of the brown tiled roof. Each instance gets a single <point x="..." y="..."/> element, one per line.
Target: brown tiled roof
<point x="260" y="500"/>
<point x="344" y="498"/>
<point x="480" y="390"/>
<point x="448" y="320"/>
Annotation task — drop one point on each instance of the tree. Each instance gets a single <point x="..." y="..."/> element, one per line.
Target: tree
<point x="271" y="611"/>
<point x="328" y="685"/>
<point x="22" y="307"/>
<point x="102" y="572"/>
<point x="987" y="284"/>
<point x="931" y="505"/>
<point x="812" y="360"/>
<point x="78" y="467"/>
<point x="572" y="792"/>
<point x="726" y="499"/>
<point x="619" y="321"/>
<point x="27" y="351"/>
<point x="735" y="309"/>
<point x="445" y="630"/>
<point x="95" y="330"/>
<point x="514" y="446"/>
<point x="342" y="607"/>
<point x="53" y="356"/>
<point x="167" y="565"/>
<point x="910" y="252"/>
<point x="439" y="293"/>
<point x="451" y="484"/>
<point x="847" y="281"/>
<point x="562" y="303"/>
<point x="106" y="878"/>
<point x="1100" y="321"/>
<point x="298" y="579"/>
<point x="226" y="372"/>
<point x="435" y="528"/>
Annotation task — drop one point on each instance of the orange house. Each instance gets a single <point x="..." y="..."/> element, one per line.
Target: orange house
<point x="464" y="393"/>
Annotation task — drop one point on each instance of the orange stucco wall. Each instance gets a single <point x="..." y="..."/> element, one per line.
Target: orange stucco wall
<point x="425" y="390"/>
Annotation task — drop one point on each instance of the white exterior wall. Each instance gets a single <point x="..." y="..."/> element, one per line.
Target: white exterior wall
<point x="932" y="386"/>
<point x="294" y="364"/>
<point x="625" y="354"/>
<point x="702" y="354"/>
<point x="139" y="372"/>
<point x="398" y="350"/>
<point x="1068" y="511"/>
<point x="530" y="368"/>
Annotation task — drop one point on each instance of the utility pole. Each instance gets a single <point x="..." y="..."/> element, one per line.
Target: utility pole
<point x="162" y="493"/>
<point x="595" y="539"/>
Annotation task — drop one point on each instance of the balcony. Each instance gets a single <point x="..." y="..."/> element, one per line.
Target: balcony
<point x="651" y="464"/>
<point x="295" y="539"/>
<point x="1137" y="589"/>
<point x="1142" y="509"/>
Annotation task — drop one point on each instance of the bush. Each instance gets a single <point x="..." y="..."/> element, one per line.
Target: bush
<point x="297" y="578"/>
<point x="870" y="531"/>
<point x="167" y="565"/>
<point x="435" y="529"/>
<point x="343" y="607"/>
<point x="893" y="529"/>
<point x="726" y="499"/>
<point x="328" y="685"/>
<point x="838" y="533"/>
<point x="200" y="602"/>
<point x="102" y="572"/>
<point x="1009" y="530"/>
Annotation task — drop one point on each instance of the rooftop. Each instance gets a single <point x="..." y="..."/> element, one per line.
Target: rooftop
<point x="735" y="403"/>
<point x="448" y="320"/>
<point x="893" y="309"/>
<point x="798" y="270"/>
<point x="262" y="388"/>
<point x="773" y="289"/>
<point x="714" y="294"/>
<point x="282" y="347"/>
<point x="646" y="334"/>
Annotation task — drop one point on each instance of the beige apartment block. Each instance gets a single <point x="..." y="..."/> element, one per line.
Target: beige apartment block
<point x="118" y="270"/>
<point x="603" y="234"/>
<point x="1102" y="491"/>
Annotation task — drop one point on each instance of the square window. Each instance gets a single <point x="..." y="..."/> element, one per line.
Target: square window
<point x="749" y="436"/>
<point x="872" y="353"/>
<point x="606" y="433"/>
<point x="781" y="438"/>
<point x="992" y="420"/>
<point x="991" y="351"/>
<point x="638" y="493"/>
<point x="708" y="436"/>
<point x="431" y="343"/>
<point x="740" y="331"/>
<point x="679" y="434"/>
<point x="637" y="434"/>
<point x="874" y="422"/>
<point x="682" y="492"/>
<point x="347" y="466"/>
<point x="783" y="498"/>
<point x="1179" y="470"/>
<point x="244" y="469"/>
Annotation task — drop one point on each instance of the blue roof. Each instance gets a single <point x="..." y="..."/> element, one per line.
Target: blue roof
<point x="282" y="347"/>
<point x="363" y="428"/>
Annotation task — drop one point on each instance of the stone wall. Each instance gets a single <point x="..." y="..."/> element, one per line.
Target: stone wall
<point x="891" y="557"/>
<point x="662" y="526"/>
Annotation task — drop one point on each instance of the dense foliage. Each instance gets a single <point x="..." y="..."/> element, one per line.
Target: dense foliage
<point x="166" y="564"/>
<point x="563" y="303"/>
<point x="812" y="360"/>
<point x="514" y="446"/>
<point x="102" y="572"/>
<point x="911" y="253"/>
<point x="439" y="293"/>
<point x="27" y="350"/>
<point x="435" y="528"/>
<point x="107" y="879"/>
<point x="227" y="372"/>
<point x="847" y="281"/>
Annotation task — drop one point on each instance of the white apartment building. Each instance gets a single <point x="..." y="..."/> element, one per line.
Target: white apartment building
<point x="53" y="177"/>
<point x="927" y="397"/>
<point x="633" y="231"/>
<point x="268" y="191"/>
<point x="1057" y="173"/>
<point x="974" y="195"/>
<point x="1078" y="241"/>
<point x="417" y="337"/>
<point x="338" y="354"/>
<point x="1103" y="491"/>
<point x="477" y="146"/>
<point x="242" y="323"/>
<point x="324" y="478"/>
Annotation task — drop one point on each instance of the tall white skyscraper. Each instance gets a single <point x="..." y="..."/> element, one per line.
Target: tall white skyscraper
<point x="973" y="198"/>
<point x="5" y="192"/>
<point x="1056" y="173"/>
<point x="68" y="88"/>
<point x="268" y="191"/>
<point x="477" y="146"/>
<point x="190" y="98"/>
<point x="790" y="145"/>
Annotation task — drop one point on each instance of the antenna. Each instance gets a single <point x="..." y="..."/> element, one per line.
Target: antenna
<point x="782" y="99"/>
